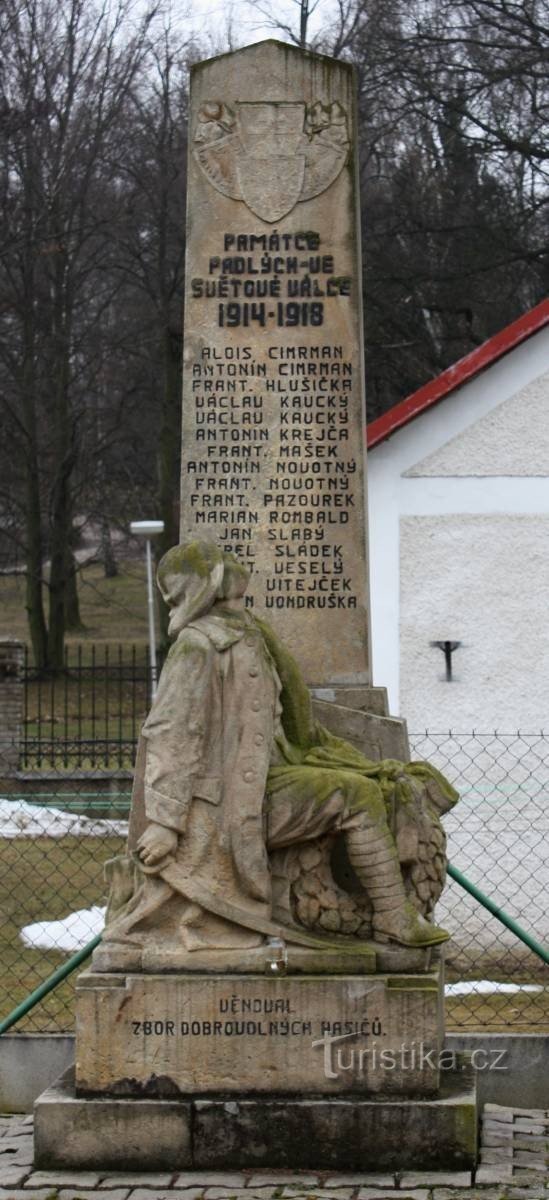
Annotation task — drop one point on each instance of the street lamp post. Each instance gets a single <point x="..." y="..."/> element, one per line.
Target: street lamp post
<point x="148" y="530"/>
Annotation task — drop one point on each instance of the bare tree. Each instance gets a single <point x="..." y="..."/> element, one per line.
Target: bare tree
<point x="67" y="72"/>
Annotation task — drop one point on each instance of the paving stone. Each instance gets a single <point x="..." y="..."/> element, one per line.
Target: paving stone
<point x="280" y="1177"/>
<point x="473" y="1193"/>
<point x="530" y="1158"/>
<point x="10" y="1145"/>
<point x="497" y="1112"/>
<point x="529" y="1175"/>
<point x="530" y="1141"/>
<point x="28" y="1194"/>
<point x="494" y="1174"/>
<point x="497" y="1135"/>
<point x="24" y="1157"/>
<point x="136" y="1179"/>
<point x="84" y="1194"/>
<point x="145" y="1193"/>
<point x="57" y="1179"/>
<point x="435" y="1178"/>
<point x="223" y="1193"/>
<point x="241" y="1193"/>
<point x="523" y="1193"/>
<point x="496" y="1154"/>
<point x="11" y="1175"/>
<point x="402" y="1194"/>
<point x="323" y="1193"/>
<point x="384" y="1181"/>
<point x="207" y="1179"/>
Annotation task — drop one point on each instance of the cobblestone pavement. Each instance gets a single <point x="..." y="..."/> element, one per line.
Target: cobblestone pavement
<point x="504" y="1173"/>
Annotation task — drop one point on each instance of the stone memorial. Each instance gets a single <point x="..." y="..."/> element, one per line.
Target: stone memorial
<point x="273" y="395"/>
<point x="268" y="990"/>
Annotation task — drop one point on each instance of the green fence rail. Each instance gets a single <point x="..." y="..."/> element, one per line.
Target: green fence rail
<point x="77" y="959"/>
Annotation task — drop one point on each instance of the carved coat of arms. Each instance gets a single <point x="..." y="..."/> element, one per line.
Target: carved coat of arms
<point x="271" y="155"/>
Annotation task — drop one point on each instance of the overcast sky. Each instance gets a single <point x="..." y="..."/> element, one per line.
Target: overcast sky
<point x="211" y="19"/>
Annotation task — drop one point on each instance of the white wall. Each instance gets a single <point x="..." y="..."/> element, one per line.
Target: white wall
<point x="459" y="528"/>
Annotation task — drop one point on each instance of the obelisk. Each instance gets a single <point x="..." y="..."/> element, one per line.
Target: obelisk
<point x="273" y="399"/>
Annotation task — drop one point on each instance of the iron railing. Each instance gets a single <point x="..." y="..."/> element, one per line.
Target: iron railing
<point x="88" y="714"/>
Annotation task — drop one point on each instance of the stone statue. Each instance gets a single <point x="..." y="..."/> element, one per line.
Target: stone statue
<point x="239" y="795"/>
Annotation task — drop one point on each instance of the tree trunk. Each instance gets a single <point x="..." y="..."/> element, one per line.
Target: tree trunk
<point x="107" y="554"/>
<point x="73" y="620"/>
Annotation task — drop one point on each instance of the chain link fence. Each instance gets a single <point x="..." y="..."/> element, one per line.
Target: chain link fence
<point x="58" y="829"/>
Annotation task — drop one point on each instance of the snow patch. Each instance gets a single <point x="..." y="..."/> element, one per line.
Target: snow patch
<point x="18" y="819"/>
<point x="481" y="987"/>
<point x="71" y="933"/>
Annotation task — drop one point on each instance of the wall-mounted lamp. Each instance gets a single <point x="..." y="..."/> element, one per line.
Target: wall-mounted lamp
<point x="447" y="648"/>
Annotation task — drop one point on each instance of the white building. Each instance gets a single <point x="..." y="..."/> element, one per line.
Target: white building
<point x="459" y="540"/>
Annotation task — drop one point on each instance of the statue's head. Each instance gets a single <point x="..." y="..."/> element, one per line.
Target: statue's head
<point x="194" y="575"/>
<point x="190" y="577"/>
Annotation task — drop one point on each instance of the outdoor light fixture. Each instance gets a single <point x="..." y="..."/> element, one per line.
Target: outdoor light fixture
<point x="148" y="530"/>
<point x="447" y="648"/>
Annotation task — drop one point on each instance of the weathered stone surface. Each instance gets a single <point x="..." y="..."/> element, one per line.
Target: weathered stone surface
<point x="281" y="1177"/>
<point x="81" y="1193"/>
<point x="171" y="1035"/>
<point x="112" y="1134"/>
<point x="363" y="1179"/>
<point x="12" y="1176"/>
<point x="15" y="1193"/>
<point x="273" y="413"/>
<point x="135" y="1179"/>
<point x="209" y="1179"/>
<point x="402" y="1194"/>
<point x="85" y="1179"/>
<point x="325" y="1134"/>
<point x="435" y="1179"/>
<point x="497" y="1112"/>
<point x="492" y="1173"/>
<point x="145" y="1193"/>
<point x="376" y="737"/>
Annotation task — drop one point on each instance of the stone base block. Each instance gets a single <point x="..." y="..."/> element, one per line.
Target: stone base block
<point x="336" y="1133"/>
<point x="170" y="1035"/>
<point x="121" y="1135"/>
<point x="281" y="1132"/>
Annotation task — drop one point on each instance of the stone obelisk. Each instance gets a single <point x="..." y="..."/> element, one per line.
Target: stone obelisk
<point x="273" y="393"/>
<point x="198" y="1046"/>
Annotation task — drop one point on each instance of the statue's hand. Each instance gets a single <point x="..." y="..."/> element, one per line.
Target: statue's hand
<point x="156" y="843"/>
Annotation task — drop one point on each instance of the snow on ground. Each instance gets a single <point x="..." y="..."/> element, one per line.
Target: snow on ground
<point x="486" y="987"/>
<point x="71" y="933"/>
<point x="18" y="819"/>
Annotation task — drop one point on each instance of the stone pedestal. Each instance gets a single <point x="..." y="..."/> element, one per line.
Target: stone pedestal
<point x="321" y="1072"/>
<point x="175" y="1035"/>
<point x="226" y="1132"/>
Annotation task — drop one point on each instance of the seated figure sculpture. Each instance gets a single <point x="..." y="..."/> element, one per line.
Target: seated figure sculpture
<point x="232" y="771"/>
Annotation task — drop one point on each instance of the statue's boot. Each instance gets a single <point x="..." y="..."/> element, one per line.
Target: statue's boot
<point x="373" y="856"/>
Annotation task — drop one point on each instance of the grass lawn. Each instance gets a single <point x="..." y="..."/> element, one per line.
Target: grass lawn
<point x="45" y="879"/>
<point x="111" y="609"/>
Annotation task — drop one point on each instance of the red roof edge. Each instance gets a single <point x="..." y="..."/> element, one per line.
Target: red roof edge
<point x="453" y="377"/>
